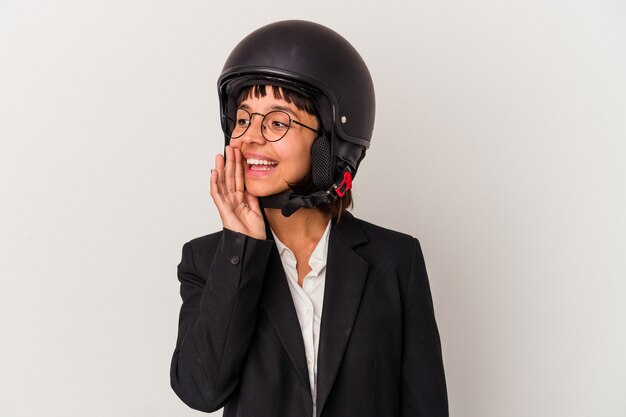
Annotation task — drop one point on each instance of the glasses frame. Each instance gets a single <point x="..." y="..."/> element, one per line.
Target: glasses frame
<point x="291" y="120"/>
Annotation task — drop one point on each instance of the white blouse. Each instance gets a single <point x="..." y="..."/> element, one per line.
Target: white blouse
<point x="308" y="299"/>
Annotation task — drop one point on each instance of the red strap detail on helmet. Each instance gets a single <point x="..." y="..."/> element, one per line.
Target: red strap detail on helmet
<point x="345" y="185"/>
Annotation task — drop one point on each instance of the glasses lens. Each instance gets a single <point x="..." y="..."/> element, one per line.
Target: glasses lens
<point x="276" y="125"/>
<point x="238" y="121"/>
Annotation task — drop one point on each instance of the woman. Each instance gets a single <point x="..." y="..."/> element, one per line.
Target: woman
<point x="296" y="308"/>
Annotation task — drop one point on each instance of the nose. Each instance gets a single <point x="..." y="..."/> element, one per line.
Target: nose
<point x="253" y="134"/>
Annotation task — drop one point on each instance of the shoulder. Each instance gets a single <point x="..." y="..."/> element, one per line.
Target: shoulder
<point x="203" y="245"/>
<point x="387" y="246"/>
<point x="377" y="233"/>
<point x="205" y="240"/>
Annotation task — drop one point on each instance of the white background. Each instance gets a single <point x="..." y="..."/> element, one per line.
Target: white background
<point x="500" y="143"/>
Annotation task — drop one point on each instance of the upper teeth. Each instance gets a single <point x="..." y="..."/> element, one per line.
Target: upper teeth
<point x="260" y="162"/>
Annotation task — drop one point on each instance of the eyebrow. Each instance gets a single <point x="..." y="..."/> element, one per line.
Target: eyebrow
<point x="285" y="109"/>
<point x="274" y="107"/>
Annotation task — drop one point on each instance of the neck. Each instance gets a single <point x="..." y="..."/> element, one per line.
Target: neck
<point x="302" y="226"/>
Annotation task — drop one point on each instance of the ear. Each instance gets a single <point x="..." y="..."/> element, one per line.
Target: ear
<point x="322" y="164"/>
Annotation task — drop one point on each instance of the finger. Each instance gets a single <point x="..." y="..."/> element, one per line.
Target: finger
<point x="219" y="168"/>
<point x="215" y="194"/>
<point x="239" y="178"/>
<point x="230" y="170"/>
<point x="219" y="162"/>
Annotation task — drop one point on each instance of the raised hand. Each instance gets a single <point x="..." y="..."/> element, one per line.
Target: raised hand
<point x="239" y="210"/>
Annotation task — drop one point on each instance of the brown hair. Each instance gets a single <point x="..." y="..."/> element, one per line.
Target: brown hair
<point x="305" y="185"/>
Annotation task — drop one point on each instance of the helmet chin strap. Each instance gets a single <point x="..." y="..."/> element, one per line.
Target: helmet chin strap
<point x="290" y="202"/>
<point x="275" y="201"/>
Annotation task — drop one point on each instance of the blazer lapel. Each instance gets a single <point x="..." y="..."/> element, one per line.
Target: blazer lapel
<point x="346" y="273"/>
<point x="277" y="302"/>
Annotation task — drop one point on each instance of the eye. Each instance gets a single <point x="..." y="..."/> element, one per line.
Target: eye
<point x="242" y="122"/>
<point x="278" y="121"/>
<point x="276" y="124"/>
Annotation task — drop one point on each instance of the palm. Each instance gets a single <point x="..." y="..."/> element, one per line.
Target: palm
<point x="238" y="209"/>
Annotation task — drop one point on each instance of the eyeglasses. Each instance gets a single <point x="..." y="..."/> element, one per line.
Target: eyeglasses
<point x="274" y="125"/>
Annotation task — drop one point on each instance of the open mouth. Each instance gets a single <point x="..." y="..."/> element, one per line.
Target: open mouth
<point x="260" y="164"/>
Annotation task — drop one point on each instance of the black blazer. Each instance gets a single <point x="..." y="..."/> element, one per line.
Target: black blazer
<point x="240" y="345"/>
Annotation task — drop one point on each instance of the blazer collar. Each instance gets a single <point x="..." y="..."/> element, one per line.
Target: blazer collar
<point x="346" y="274"/>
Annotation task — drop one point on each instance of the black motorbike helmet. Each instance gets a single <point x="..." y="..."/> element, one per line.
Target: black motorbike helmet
<point x="320" y="64"/>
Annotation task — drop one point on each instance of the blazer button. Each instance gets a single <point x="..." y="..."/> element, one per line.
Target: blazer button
<point x="234" y="260"/>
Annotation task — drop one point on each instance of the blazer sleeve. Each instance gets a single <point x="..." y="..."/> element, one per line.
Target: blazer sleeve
<point x="423" y="382"/>
<point x="217" y="318"/>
